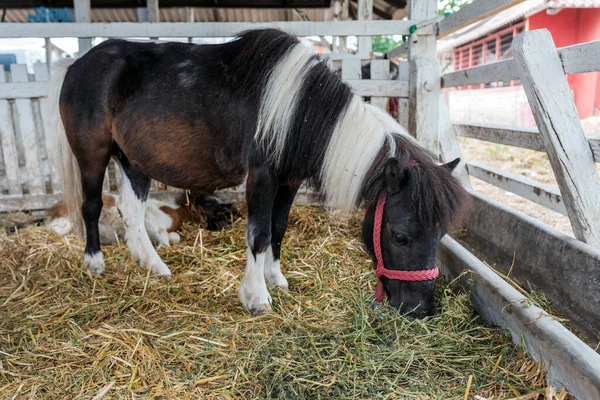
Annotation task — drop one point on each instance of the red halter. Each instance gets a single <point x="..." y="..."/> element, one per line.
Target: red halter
<point x="380" y="270"/>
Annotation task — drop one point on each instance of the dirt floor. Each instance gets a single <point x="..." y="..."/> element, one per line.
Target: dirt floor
<point x="531" y="164"/>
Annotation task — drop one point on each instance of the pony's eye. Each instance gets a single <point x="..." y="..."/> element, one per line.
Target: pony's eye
<point x="400" y="239"/>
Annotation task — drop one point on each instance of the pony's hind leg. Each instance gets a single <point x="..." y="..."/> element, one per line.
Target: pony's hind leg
<point x="135" y="186"/>
<point x="91" y="182"/>
<point x="281" y="210"/>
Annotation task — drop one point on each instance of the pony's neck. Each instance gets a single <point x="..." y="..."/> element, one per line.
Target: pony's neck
<point x="363" y="140"/>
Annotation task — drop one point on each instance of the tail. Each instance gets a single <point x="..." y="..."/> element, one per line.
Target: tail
<point x="67" y="169"/>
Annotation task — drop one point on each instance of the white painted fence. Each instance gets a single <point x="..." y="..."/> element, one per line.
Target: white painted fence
<point x="542" y="69"/>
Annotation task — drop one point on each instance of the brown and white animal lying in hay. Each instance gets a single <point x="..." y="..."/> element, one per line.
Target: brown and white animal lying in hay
<point x="164" y="218"/>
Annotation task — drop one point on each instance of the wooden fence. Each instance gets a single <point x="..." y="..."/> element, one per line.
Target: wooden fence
<point x="542" y="69"/>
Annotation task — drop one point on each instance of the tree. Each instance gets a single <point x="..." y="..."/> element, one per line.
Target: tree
<point x="383" y="44"/>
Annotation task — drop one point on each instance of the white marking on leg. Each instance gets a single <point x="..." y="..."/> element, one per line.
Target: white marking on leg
<point x="273" y="275"/>
<point x="133" y="211"/>
<point x="94" y="263"/>
<point x="174" y="237"/>
<point x="253" y="289"/>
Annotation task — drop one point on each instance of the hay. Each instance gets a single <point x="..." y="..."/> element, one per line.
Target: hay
<point x="130" y="335"/>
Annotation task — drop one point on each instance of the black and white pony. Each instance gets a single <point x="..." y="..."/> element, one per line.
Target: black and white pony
<point x="260" y="108"/>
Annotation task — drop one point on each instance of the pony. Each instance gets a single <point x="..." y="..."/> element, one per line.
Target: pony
<point x="261" y="108"/>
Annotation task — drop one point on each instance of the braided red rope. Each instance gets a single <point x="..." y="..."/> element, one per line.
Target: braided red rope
<point x="380" y="270"/>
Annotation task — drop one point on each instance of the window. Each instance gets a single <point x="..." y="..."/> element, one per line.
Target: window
<point x="492" y="48"/>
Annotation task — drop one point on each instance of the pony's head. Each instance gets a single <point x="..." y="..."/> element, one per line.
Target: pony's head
<point x="414" y="203"/>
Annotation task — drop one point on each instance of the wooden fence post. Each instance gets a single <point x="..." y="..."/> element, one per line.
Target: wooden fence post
<point x="550" y="98"/>
<point x="424" y="80"/>
<point x="83" y="14"/>
<point x="423" y="102"/>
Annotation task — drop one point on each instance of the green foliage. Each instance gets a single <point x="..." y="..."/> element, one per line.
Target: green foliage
<point x="383" y="44"/>
<point x="450" y="6"/>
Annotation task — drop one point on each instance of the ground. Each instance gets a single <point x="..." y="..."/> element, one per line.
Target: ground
<point x="531" y="164"/>
<point x="129" y="335"/>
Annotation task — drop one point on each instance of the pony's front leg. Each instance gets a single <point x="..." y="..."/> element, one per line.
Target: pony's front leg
<point x="260" y="193"/>
<point x="281" y="210"/>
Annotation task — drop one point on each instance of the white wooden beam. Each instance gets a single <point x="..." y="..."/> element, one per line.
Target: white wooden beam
<point x="424" y="45"/>
<point x="575" y="59"/>
<point x="365" y="13"/>
<point x="550" y="98"/>
<point x="381" y="88"/>
<point x="581" y="58"/>
<point x="545" y="195"/>
<point x="23" y="90"/>
<point x="153" y="10"/>
<point x="83" y="15"/>
<point x="501" y="71"/>
<point x="472" y="13"/>
<point x="525" y="138"/>
<point x="205" y="29"/>
<point x="423" y="103"/>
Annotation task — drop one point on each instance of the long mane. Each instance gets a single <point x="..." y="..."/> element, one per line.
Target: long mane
<point x="310" y="124"/>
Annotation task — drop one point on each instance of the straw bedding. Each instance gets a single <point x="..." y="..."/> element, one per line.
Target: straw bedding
<point x="129" y="335"/>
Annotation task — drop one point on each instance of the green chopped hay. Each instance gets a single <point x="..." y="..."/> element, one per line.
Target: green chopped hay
<point x="64" y="334"/>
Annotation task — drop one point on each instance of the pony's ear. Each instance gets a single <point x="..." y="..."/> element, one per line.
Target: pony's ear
<point x="395" y="176"/>
<point x="452" y="164"/>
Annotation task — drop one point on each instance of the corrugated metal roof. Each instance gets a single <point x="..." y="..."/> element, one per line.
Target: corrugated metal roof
<point x="497" y="21"/>
<point x="574" y="4"/>
<point x="490" y="24"/>
<point x="201" y="14"/>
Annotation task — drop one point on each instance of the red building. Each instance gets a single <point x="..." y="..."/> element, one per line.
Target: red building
<point x="569" y="21"/>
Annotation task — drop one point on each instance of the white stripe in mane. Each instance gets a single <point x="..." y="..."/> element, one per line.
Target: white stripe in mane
<point x="280" y="98"/>
<point x="360" y="133"/>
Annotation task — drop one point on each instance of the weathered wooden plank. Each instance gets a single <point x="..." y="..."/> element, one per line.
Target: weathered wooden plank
<point x="401" y="50"/>
<point x="24" y="113"/>
<point x="501" y="71"/>
<point x="365" y="13"/>
<point x="568" y="360"/>
<point x="424" y="102"/>
<point x="207" y="29"/>
<point x="575" y="60"/>
<point x="23" y="90"/>
<point x="9" y="145"/>
<point x="525" y="138"/>
<point x="581" y="58"/>
<point x="594" y="141"/>
<point x="82" y="15"/>
<point x="449" y="147"/>
<point x="42" y="75"/>
<point x="28" y="203"/>
<point x="549" y="95"/>
<point x="471" y="14"/>
<point x="351" y="69"/>
<point x="545" y="195"/>
<point x="366" y="87"/>
<point x="425" y="10"/>
<point x="346" y="56"/>
<point x="380" y="69"/>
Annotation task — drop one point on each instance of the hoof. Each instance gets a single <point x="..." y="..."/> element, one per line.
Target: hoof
<point x="257" y="311"/>
<point x="94" y="264"/>
<point x="166" y="277"/>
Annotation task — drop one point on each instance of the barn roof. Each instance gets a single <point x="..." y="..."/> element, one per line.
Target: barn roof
<point x="204" y="10"/>
<point x="503" y="18"/>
